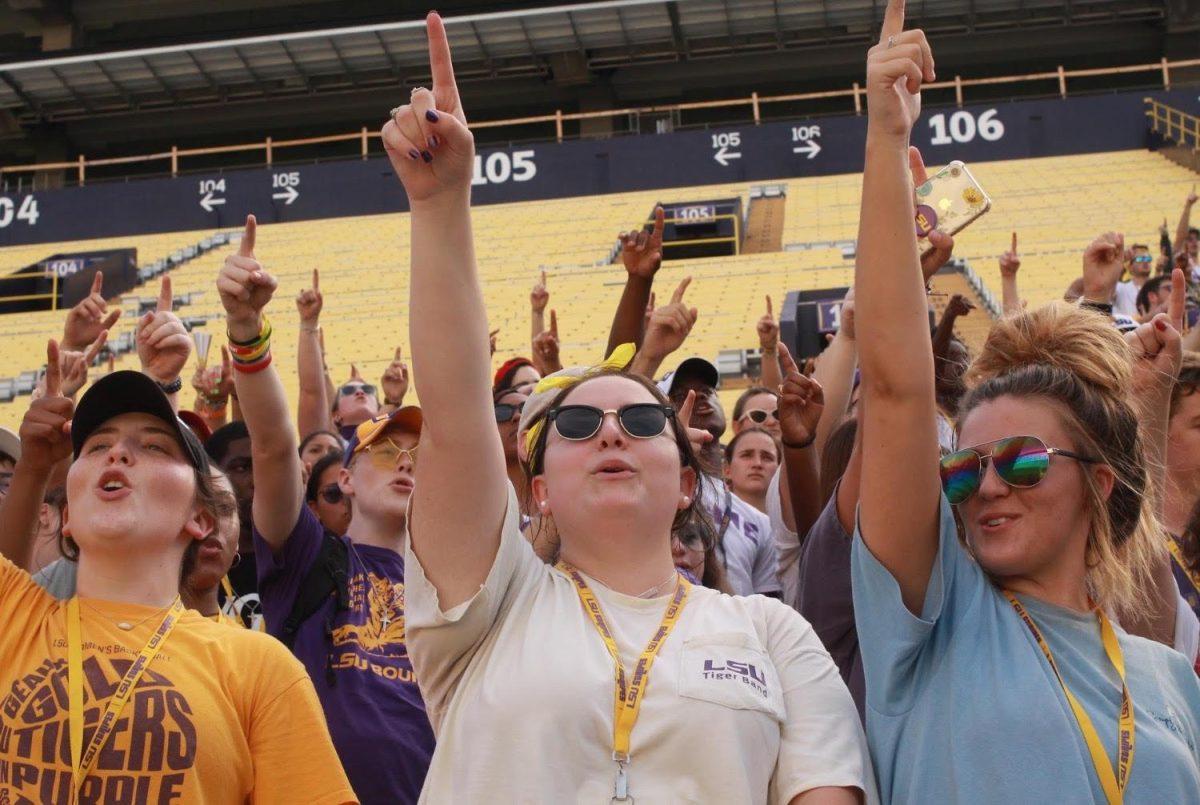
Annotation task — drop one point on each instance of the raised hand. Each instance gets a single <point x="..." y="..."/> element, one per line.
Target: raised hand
<point x="801" y="401"/>
<point x="545" y="347"/>
<point x="697" y="436"/>
<point x="1192" y="197"/>
<point x="1010" y="261"/>
<point x="958" y="306"/>
<point x="941" y="245"/>
<point x="427" y="139"/>
<point x="88" y="318"/>
<point x="1103" y="264"/>
<point x="539" y="297"/>
<point x="649" y="311"/>
<point x="310" y="301"/>
<point x="896" y="69"/>
<point x="1158" y="351"/>
<point x="163" y="344"/>
<point x="670" y="324"/>
<point x="641" y="251"/>
<point x="214" y="384"/>
<point x="395" y="380"/>
<point x="46" y="428"/>
<point x="768" y="330"/>
<point x="74" y="365"/>
<point x="245" y="287"/>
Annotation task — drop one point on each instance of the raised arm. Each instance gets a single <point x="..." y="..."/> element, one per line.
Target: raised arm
<point x="957" y="307"/>
<point x="898" y="514"/>
<point x="461" y="455"/>
<point x="245" y="290"/>
<point x="801" y="403"/>
<point x="312" y="403"/>
<point x="394" y="383"/>
<point x="1158" y="355"/>
<point x="835" y="373"/>
<point x="768" y="343"/>
<point x="539" y="297"/>
<point x="45" y="443"/>
<point x="1010" y="263"/>
<point x="641" y="253"/>
<point x="668" y="329"/>
<point x="1185" y="218"/>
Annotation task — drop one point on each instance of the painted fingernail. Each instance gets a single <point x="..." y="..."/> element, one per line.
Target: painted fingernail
<point x="1160" y="324"/>
<point x="433" y="141"/>
<point x="428" y="157"/>
<point x="414" y="153"/>
<point x="431" y="116"/>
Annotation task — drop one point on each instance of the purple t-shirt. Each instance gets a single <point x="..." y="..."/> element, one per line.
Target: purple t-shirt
<point x="373" y="706"/>
<point x="825" y="599"/>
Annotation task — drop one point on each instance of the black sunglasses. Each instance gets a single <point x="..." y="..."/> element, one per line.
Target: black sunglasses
<point x="350" y="389"/>
<point x="332" y="494"/>
<point x="506" y="411"/>
<point x="639" y="420"/>
<point x="758" y="416"/>
<point x="1020" y="461"/>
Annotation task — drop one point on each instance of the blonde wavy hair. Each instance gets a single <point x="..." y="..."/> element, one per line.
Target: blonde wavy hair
<point x="1076" y="359"/>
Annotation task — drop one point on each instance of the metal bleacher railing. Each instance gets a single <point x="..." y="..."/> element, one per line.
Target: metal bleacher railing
<point x="1173" y="124"/>
<point x="364" y="136"/>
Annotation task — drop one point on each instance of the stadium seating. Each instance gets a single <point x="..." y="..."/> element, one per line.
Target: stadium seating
<point x="1053" y="203"/>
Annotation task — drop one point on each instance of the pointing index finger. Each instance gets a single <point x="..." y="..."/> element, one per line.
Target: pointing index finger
<point x="445" y="89"/>
<point x="769" y="311"/>
<point x="786" y="362"/>
<point x="98" y="282"/>
<point x="53" y="370"/>
<point x="165" y="297"/>
<point x="685" y="410"/>
<point x="94" y="349"/>
<point x="316" y="286"/>
<point x="893" y="20"/>
<point x="1014" y="244"/>
<point x="1178" y="303"/>
<point x="246" y="247"/>
<point x="399" y="353"/>
<point x="678" y="295"/>
<point x="554" y="323"/>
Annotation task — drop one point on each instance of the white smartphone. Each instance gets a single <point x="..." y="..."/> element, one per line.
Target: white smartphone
<point x="950" y="201"/>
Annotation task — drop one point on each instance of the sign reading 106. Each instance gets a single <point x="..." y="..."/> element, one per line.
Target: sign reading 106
<point x="964" y="126"/>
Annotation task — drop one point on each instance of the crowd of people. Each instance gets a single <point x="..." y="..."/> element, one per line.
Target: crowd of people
<point x="909" y="573"/>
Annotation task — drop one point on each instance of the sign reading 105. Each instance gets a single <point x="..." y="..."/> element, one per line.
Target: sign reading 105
<point x="27" y="211"/>
<point x="498" y="167"/>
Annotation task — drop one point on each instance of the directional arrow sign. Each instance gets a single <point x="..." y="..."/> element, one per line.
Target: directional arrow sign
<point x="724" y="155"/>
<point x="208" y="202"/>
<point x="810" y="147"/>
<point x="289" y="195"/>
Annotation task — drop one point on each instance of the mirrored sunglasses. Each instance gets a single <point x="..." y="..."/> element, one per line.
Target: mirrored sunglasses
<point x="1019" y="461"/>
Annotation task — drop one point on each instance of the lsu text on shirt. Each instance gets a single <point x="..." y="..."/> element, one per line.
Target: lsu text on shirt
<point x="361" y="669"/>
<point x="743" y="703"/>
<point x="221" y="716"/>
<point x="747" y="547"/>
<point x="962" y="705"/>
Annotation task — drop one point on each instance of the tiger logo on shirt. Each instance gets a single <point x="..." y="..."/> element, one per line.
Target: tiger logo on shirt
<point x="383" y="632"/>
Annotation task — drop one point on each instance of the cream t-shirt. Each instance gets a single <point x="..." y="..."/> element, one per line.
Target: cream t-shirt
<point x="742" y="705"/>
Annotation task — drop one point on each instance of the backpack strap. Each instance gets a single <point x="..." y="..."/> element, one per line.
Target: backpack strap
<point x="329" y="575"/>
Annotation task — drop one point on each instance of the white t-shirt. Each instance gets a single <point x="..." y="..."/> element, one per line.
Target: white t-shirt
<point x="1125" y="299"/>
<point x="751" y="561"/>
<point x="742" y="705"/>
<point x="787" y="543"/>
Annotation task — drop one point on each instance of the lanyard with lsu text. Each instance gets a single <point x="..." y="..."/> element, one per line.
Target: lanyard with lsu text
<point x="81" y="759"/>
<point x="1177" y="555"/>
<point x="1113" y="785"/>
<point x="627" y="694"/>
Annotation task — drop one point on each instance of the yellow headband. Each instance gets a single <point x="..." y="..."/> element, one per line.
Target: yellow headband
<point x="620" y="358"/>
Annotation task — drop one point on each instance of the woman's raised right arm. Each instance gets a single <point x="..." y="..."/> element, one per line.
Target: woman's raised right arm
<point x="898" y="514"/>
<point x="460" y="492"/>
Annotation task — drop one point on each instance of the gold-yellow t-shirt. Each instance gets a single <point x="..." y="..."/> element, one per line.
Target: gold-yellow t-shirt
<point x="220" y="716"/>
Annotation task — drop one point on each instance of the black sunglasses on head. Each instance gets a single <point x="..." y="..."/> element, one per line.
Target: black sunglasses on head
<point x="506" y="411"/>
<point x="350" y="389"/>
<point x="578" y="423"/>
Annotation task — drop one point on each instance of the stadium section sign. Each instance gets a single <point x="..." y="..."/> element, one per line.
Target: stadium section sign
<point x="768" y="152"/>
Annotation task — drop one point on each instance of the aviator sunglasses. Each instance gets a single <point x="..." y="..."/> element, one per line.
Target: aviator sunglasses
<point x="1020" y="461"/>
<point x="639" y="420"/>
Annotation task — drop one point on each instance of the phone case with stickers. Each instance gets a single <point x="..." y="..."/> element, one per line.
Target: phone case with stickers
<point x="950" y="201"/>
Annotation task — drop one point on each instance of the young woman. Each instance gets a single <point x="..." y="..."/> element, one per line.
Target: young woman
<point x="319" y="444"/>
<point x="757" y="407"/>
<point x="994" y="670"/>
<point x="325" y="498"/>
<point x="751" y="458"/>
<point x="229" y="708"/>
<point x="614" y="472"/>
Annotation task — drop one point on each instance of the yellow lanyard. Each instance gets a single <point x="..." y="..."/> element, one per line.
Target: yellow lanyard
<point x="1113" y="785"/>
<point x="627" y="695"/>
<point x="82" y="760"/>
<point x="1177" y="555"/>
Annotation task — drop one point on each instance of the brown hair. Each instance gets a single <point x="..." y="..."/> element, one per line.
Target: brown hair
<point x="1188" y="381"/>
<point x="691" y="515"/>
<point x="732" y="446"/>
<point x="1077" y="360"/>
<point x="836" y="457"/>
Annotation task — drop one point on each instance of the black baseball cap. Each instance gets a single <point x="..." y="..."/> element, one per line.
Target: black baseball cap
<point x="691" y="367"/>
<point x="129" y="392"/>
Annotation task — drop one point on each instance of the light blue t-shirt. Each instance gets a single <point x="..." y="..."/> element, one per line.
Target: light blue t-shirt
<point x="962" y="705"/>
